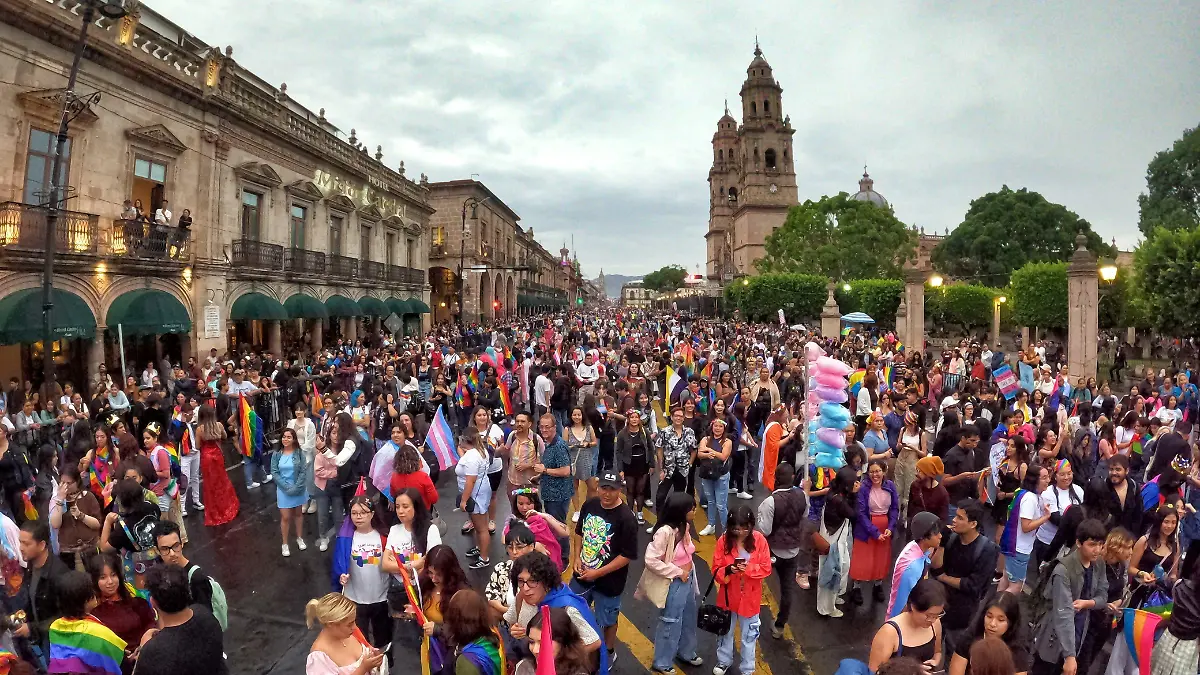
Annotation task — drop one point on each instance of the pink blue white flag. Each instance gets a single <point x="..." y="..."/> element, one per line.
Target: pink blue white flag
<point x="440" y="439"/>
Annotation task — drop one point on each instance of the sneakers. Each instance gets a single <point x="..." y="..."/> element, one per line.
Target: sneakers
<point x="311" y="507"/>
<point x="198" y="506"/>
<point x="647" y="503"/>
<point x="802" y="581"/>
<point x="708" y="531"/>
<point x="650" y="529"/>
<point x="286" y="551"/>
<point x="491" y="527"/>
<point x="732" y="490"/>
<point x="694" y="661"/>
<point x="301" y="545"/>
<point x="322" y="544"/>
<point x="254" y="486"/>
<point x="467" y="528"/>
<point x="481" y="564"/>
<point x="877" y="594"/>
<point x="719" y="669"/>
<point x="473" y="552"/>
<point x="268" y="479"/>
<point x="182" y="512"/>
<point x="612" y="658"/>
<point x="856" y="596"/>
<point x="745" y="495"/>
<point x="665" y="671"/>
<point x="575" y="517"/>
<point x="641" y="519"/>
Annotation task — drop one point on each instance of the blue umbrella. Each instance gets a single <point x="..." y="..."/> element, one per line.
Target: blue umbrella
<point x="857" y="317"/>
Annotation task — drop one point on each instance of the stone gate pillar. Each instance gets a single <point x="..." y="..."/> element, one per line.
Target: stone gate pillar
<point x="914" y="299"/>
<point x="1082" y="318"/>
<point x="275" y="338"/>
<point x="902" y="318"/>
<point x="831" y="316"/>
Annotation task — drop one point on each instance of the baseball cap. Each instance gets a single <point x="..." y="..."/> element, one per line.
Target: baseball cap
<point x="611" y="479"/>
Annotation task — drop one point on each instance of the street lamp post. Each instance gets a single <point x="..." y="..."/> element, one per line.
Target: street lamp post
<point x="474" y="203"/>
<point x="71" y="107"/>
<point x="996" y="302"/>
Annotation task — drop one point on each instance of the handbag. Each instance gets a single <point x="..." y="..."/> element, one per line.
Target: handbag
<point x="713" y="619"/>
<point x="820" y="544"/>
<point x="437" y="520"/>
<point x="653" y="585"/>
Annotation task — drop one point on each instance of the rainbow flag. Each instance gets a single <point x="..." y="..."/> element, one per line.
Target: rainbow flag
<point x="505" y="398"/>
<point x="473" y="379"/>
<point x="706" y="371"/>
<point x="1008" y="540"/>
<point x="6" y="660"/>
<point x="462" y="397"/>
<point x="251" y="437"/>
<point x="1139" y="443"/>
<point x="1139" y="636"/>
<point x="85" y="646"/>
<point x="856" y="380"/>
<point x="846" y="330"/>
<point x="31" y="513"/>
<point x="172" y="489"/>
<point x="98" y="473"/>
<point x="317" y="405"/>
<point x="887" y="378"/>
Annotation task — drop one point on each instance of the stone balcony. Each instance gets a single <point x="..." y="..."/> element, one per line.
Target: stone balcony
<point x="81" y="238"/>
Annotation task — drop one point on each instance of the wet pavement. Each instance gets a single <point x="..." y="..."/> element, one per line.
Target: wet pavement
<point x="267" y="594"/>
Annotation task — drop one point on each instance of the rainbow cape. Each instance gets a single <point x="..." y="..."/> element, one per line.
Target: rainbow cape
<point x="6" y="660"/>
<point x="910" y="568"/>
<point x="856" y="380"/>
<point x="84" y="646"/>
<point x="98" y="472"/>
<point x="462" y="397"/>
<point x="1008" y="540"/>
<point x="251" y="437"/>
<point x="1140" y="625"/>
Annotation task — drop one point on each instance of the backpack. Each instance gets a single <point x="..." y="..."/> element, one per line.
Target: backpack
<point x="1039" y="603"/>
<point x="219" y="604"/>
<point x="359" y="465"/>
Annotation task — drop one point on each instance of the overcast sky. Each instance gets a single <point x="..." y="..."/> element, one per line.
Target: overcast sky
<point x="595" y="119"/>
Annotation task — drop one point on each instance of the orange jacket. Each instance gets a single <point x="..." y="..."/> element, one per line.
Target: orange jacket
<point x="742" y="592"/>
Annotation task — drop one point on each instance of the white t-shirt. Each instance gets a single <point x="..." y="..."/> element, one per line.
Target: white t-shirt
<point x="541" y="391"/>
<point x="400" y="542"/>
<point x="588" y="374"/>
<point x="1059" y="501"/>
<point x="1124" y="435"/>
<point x="495" y="438"/>
<point x="368" y="583"/>
<point x="1031" y="509"/>
<point x="473" y="463"/>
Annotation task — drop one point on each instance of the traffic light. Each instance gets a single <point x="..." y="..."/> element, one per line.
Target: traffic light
<point x="579" y="301"/>
<point x="496" y="305"/>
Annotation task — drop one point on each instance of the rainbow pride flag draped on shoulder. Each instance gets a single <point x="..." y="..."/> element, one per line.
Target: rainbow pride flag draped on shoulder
<point x="250" y="438"/>
<point x="1139" y="632"/>
<point x="84" y="646"/>
<point x="1008" y="540"/>
<point x="98" y="472"/>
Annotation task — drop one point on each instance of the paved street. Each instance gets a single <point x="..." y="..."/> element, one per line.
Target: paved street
<point x="267" y="594"/>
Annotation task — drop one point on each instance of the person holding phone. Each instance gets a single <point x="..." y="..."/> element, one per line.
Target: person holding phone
<point x="916" y="632"/>
<point x="340" y="648"/>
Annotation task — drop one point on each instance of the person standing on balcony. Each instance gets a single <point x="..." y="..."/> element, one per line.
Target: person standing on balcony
<point x="162" y="222"/>
<point x="182" y="234"/>
<point x="128" y="212"/>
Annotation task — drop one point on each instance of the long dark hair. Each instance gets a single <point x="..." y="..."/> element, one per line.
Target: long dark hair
<point x="740" y="516"/>
<point x="571" y="655"/>
<point x="468" y="619"/>
<point x="443" y="559"/>
<point x="95" y="567"/>
<point x="421" y="518"/>
<point x="376" y="520"/>
<point x="1005" y="602"/>
<point x="675" y="512"/>
<point x="1154" y="533"/>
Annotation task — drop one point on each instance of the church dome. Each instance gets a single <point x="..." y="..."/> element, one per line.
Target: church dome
<point x="759" y="66"/>
<point x="866" y="192"/>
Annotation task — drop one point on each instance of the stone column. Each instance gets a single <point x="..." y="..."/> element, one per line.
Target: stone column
<point x="995" y="322"/>
<point x="96" y="357"/>
<point x="349" y="329"/>
<point x="914" y="298"/>
<point x="902" y="318"/>
<point x="275" y="338"/>
<point x="318" y="333"/>
<point x="831" y="316"/>
<point x="1131" y="336"/>
<point x="1082" y="317"/>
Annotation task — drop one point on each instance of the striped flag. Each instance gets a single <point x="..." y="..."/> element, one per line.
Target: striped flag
<point x="251" y="437"/>
<point x="505" y="399"/>
<point x="675" y="386"/>
<point x="473" y="379"/>
<point x="462" y="396"/>
<point x="440" y="439"/>
<point x="317" y="403"/>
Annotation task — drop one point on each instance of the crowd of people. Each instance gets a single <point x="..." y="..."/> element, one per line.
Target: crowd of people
<point x="1000" y="532"/>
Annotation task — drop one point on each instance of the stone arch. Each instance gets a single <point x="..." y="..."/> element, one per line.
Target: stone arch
<point x="511" y="298"/>
<point x="498" y="296"/>
<point x="88" y="290"/>
<point x="123" y="285"/>
<point x="485" y="295"/>
<point x="237" y="289"/>
<point x="321" y="293"/>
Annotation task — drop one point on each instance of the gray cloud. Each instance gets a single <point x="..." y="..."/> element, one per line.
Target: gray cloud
<point x="594" y="119"/>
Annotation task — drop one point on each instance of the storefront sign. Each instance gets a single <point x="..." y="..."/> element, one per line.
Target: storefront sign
<point x="212" y="321"/>
<point x="362" y="194"/>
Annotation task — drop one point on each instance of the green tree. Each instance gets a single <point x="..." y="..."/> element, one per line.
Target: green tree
<point x="800" y="296"/>
<point x="1004" y="230"/>
<point x="878" y="298"/>
<point x="1168" y="279"/>
<point x="839" y="238"/>
<point x="665" y="279"/>
<point x="1039" y="295"/>
<point x="958" y="309"/>
<point x="1172" y="197"/>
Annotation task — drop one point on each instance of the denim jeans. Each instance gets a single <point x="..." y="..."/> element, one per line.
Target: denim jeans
<point x="255" y="466"/>
<point x="676" y="631"/>
<point x="563" y="418"/>
<point x="716" y="493"/>
<point x="750" y="627"/>
<point x="558" y="509"/>
<point x="189" y="464"/>
<point x="329" y="499"/>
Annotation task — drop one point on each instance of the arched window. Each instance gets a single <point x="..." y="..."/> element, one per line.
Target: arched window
<point x="721" y="155"/>
<point x="753" y="110"/>
<point x="770" y="158"/>
<point x="733" y="194"/>
<point x="766" y="106"/>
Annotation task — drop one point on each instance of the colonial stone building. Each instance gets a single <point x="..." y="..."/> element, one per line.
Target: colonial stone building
<point x="635" y="295"/>
<point x="299" y="233"/>
<point x="506" y="270"/>
<point x="752" y="181"/>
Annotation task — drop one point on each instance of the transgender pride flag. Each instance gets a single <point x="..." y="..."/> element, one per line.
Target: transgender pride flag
<point x="440" y="439"/>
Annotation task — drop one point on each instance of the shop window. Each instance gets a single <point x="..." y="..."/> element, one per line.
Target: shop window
<point x="251" y="215"/>
<point x="38" y="161"/>
<point x="149" y="182"/>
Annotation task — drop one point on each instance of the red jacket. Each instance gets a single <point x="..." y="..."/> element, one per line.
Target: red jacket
<point x="742" y="593"/>
<point x="418" y="480"/>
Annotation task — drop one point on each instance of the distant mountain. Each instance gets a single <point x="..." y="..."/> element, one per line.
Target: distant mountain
<point x="614" y="282"/>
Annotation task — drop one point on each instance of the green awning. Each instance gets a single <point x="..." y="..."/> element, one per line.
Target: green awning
<point x="399" y="307"/>
<point x="301" y="306"/>
<point x="340" y="305"/>
<point x="522" y="301"/>
<point x="257" y="306"/>
<point x="373" y="306"/>
<point x="21" y="317"/>
<point x="417" y="306"/>
<point x="147" y="311"/>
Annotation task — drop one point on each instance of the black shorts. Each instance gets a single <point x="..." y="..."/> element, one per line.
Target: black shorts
<point x="496" y="478"/>
<point x="637" y="467"/>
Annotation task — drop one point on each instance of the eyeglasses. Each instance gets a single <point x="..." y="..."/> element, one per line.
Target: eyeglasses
<point x="177" y="548"/>
<point x="525" y="583"/>
<point x="518" y="546"/>
<point x="358" y="512"/>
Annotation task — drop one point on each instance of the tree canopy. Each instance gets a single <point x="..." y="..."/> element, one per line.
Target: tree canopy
<point x="839" y="238"/>
<point x="1169" y="279"/>
<point x="665" y="279"/>
<point x="1004" y="230"/>
<point x="1039" y="295"/>
<point x="1172" y="197"/>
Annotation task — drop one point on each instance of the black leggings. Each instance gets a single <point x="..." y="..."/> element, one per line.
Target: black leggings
<point x="376" y="625"/>
<point x="738" y="480"/>
<point x="676" y="482"/>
